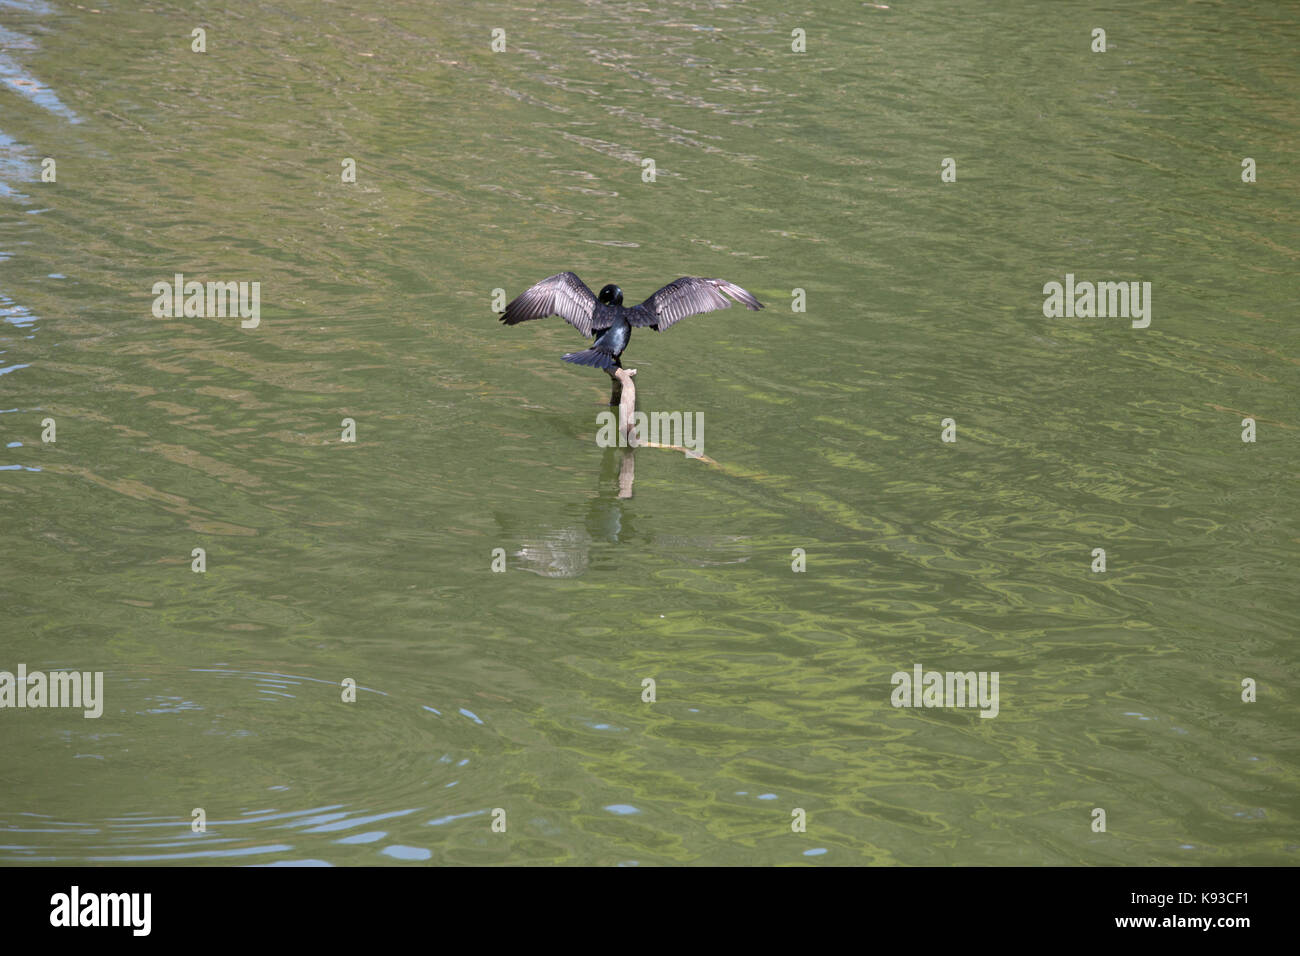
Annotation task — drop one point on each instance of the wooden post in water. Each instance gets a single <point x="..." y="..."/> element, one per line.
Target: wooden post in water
<point x="625" y="392"/>
<point x="626" y="424"/>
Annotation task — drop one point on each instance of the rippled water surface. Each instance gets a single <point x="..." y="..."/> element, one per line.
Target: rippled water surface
<point x="372" y="561"/>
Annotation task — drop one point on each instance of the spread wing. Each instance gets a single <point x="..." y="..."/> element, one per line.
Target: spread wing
<point x="563" y="294"/>
<point x="689" y="296"/>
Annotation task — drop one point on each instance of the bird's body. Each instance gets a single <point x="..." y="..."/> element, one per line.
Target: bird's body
<point x="609" y="345"/>
<point x="606" y="318"/>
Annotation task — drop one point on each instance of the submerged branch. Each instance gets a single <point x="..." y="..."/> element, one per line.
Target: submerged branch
<point x="625" y="388"/>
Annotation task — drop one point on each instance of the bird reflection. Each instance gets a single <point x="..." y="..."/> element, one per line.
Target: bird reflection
<point x="565" y="552"/>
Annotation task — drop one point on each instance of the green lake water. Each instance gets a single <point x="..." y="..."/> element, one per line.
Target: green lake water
<point x="371" y="560"/>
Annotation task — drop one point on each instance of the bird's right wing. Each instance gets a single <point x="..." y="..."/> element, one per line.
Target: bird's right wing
<point x="563" y="294"/>
<point x="689" y="295"/>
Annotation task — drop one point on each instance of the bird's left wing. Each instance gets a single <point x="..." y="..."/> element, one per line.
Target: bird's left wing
<point x="562" y="294"/>
<point x="689" y="295"/>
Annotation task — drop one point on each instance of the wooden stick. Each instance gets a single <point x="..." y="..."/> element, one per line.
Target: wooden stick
<point x="626" y="425"/>
<point x="626" y="388"/>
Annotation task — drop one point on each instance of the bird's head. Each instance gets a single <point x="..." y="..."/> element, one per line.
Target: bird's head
<point x="611" y="295"/>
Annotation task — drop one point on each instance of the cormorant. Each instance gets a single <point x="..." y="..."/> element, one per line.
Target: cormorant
<point x="610" y="321"/>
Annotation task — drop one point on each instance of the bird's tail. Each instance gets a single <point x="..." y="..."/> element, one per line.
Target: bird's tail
<point x="596" y="358"/>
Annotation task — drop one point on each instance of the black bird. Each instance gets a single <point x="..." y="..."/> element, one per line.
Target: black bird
<point x="610" y="321"/>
